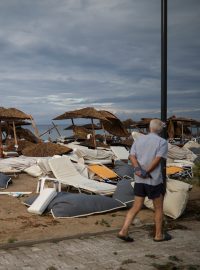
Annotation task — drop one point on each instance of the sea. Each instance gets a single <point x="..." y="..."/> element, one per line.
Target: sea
<point x="52" y="134"/>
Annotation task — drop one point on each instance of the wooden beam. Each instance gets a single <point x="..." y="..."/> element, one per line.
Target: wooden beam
<point x="15" y="135"/>
<point x="1" y="144"/>
<point x="56" y="128"/>
<point x="93" y="131"/>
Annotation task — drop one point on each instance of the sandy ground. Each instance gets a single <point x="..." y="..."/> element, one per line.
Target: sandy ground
<point x="16" y="224"/>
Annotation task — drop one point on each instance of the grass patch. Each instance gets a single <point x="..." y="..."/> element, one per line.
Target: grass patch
<point x="174" y="259"/>
<point x="173" y="266"/>
<point x="52" y="268"/>
<point x="193" y="267"/>
<point x="12" y="240"/>
<point x="152" y="256"/>
<point x="196" y="171"/>
<point x="167" y="266"/>
<point x="102" y="222"/>
<point x="128" y="261"/>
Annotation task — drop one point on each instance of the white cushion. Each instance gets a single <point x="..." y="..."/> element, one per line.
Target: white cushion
<point x="175" y="185"/>
<point x="42" y="201"/>
<point x="175" y="199"/>
<point x="34" y="171"/>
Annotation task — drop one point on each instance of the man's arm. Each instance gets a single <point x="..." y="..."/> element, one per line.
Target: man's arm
<point x="134" y="161"/>
<point x="135" y="164"/>
<point x="154" y="164"/>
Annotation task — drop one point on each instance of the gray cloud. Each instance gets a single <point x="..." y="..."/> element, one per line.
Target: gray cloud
<point x="58" y="55"/>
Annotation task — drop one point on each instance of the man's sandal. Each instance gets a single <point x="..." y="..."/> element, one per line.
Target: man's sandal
<point x="166" y="237"/>
<point x="125" y="238"/>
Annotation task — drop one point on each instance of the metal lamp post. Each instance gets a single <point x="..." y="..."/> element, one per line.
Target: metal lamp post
<point x="164" y="77"/>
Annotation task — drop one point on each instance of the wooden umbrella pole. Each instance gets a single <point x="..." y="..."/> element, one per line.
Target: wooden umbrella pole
<point x="73" y="127"/>
<point x="182" y="132"/>
<point x="104" y="132"/>
<point x="15" y="135"/>
<point x="56" y="128"/>
<point x="93" y="131"/>
<point x="48" y="130"/>
<point x="1" y="144"/>
<point x="36" y="131"/>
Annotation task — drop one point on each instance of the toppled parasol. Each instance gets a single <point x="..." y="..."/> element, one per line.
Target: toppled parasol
<point x="45" y="150"/>
<point x="108" y="120"/>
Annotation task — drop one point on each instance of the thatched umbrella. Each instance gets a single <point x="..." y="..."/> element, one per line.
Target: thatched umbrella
<point x="8" y="114"/>
<point x="87" y="126"/>
<point x="88" y="113"/>
<point x="11" y="115"/>
<point x="182" y="125"/>
<point x="113" y="125"/>
<point x="45" y="150"/>
<point x="128" y="123"/>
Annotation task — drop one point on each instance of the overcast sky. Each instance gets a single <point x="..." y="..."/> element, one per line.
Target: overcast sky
<point x="59" y="55"/>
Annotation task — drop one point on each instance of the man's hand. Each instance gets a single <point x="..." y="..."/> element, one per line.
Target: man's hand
<point x="141" y="173"/>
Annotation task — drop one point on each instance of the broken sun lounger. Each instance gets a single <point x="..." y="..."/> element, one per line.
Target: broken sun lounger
<point x="65" y="171"/>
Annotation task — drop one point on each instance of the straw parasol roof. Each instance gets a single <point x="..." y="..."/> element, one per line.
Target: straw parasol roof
<point x="45" y="150"/>
<point x="113" y="125"/>
<point x="81" y="132"/>
<point x="87" y="112"/>
<point x="129" y="123"/>
<point x="22" y="144"/>
<point x="184" y="120"/>
<point x="87" y="126"/>
<point x="12" y="114"/>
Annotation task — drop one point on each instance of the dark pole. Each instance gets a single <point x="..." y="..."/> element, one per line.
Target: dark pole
<point x="164" y="64"/>
<point x="164" y="77"/>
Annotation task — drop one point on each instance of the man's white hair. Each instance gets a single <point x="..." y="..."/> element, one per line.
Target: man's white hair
<point x="156" y="126"/>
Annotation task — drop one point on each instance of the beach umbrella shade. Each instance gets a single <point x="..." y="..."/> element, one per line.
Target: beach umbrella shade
<point x="88" y="113"/>
<point x="10" y="114"/>
<point x="128" y="123"/>
<point x="87" y="126"/>
<point x="45" y="150"/>
<point x="7" y="114"/>
<point x="113" y="125"/>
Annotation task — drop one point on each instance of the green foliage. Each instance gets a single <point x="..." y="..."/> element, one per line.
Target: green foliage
<point x="196" y="171"/>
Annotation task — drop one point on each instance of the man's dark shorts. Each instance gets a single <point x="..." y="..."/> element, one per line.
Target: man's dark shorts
<point x="152" y="192"/>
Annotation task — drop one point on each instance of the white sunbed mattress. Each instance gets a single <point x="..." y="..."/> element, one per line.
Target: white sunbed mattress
<point x="120" y="152"/>
<point x="42" y="201"/>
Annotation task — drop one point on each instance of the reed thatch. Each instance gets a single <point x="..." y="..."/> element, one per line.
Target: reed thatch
<point x="81" y="132"/>
<point x="22" y="144"/>
<point x="12" y="114"/>
<point x="128" y="123"/>
<point x="19" y="123"/>
<point x="108" y="115"/>
<point x="128" y="142"/>
<point x="87" y="126"/>
<point x="26" y="134"/>
<point x="113" y="125"/>
<point x="45" y="150"/>
<point x="185" y="121"/>
<point x="89" y="112"/>
<point x="90" y="144"/>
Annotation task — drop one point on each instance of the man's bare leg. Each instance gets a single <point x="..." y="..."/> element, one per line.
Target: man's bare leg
<point x="137" y="205"/>
<point x="158" y="207"/>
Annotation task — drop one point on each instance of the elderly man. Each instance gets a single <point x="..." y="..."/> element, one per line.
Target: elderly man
<point x="146" y="154"/>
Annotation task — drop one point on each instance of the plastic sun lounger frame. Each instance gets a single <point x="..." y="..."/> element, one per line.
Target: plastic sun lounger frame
<point x="66" y="173"/>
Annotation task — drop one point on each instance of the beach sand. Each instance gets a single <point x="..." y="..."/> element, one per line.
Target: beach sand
<point x="16" y="224"/>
